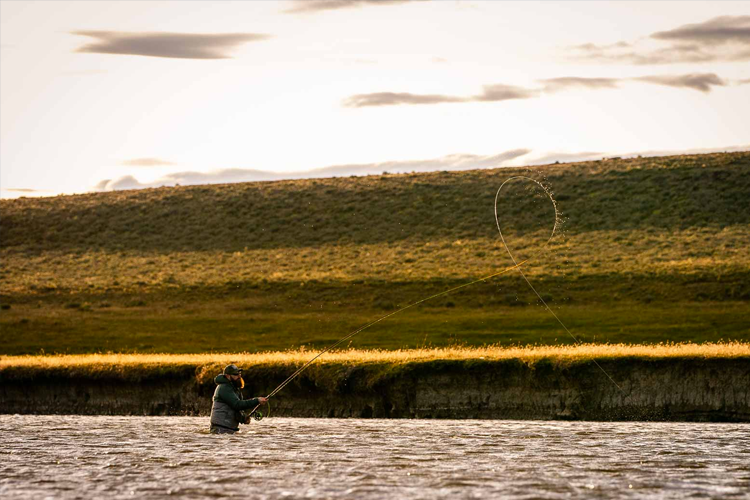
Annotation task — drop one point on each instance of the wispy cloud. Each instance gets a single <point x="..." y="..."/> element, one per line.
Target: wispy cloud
<point x="25" y="190"/>
<point x="456" y="162"/>
<point x="170" y="45"/>
<point x="499" y="92"/>
<point x="24" y="193"/>
<point x="667" y="55"/>
<point x="308" y="6"/>
<point x="698" y="81"/>
<point x="450" y="162"/>
<point x="146" y="162"/>
<point x="594" y="47"/>
<point x="717" y="31"/>
<point x="721" y="39"/>
<point x="394" y="98"/>
<point x="490" y="93"/>
<point x="565" y="83"/>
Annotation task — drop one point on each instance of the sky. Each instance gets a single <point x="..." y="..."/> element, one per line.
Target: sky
<point x="98" y="96"/>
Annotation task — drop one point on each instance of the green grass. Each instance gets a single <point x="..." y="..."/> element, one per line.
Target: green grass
<point x="222" y="327"/>
<point x="651" y="249"/>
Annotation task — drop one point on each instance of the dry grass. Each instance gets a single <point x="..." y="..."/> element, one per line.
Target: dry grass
<point x="97" y="363"/>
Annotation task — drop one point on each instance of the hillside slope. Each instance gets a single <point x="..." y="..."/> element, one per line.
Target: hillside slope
<point x="649" y="249"/>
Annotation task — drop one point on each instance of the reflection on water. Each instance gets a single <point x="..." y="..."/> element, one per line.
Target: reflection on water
<point x="155" y="457"/>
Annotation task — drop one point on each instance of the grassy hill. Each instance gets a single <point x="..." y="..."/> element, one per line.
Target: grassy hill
<point x="650" y="249"/>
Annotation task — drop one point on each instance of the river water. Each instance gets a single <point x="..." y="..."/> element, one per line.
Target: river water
<point x="175" y="457"/>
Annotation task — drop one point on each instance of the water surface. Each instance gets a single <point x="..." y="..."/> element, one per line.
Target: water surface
<point x="161" y="457"/>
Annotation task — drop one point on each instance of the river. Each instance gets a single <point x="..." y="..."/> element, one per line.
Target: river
<point x="175" y="457"/>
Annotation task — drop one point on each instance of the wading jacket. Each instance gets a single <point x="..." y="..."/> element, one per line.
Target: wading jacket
<point x="228" y="405"/>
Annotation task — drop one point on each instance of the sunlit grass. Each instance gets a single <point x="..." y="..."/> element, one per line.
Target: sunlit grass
<point x="117" y="362"/>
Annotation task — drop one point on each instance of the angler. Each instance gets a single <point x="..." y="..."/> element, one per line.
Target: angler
<point x="228" y="412"/>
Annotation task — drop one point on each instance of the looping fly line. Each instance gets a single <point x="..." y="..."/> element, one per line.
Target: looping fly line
<point x="516" y="265"/>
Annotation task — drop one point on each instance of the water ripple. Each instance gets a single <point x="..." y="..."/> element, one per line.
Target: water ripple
<point x="157" y="457"/>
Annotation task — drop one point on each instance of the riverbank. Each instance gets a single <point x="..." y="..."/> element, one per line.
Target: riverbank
<point x="671" y="382"/>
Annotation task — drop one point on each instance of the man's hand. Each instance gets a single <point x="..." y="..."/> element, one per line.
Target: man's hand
<point x="262" y="401"/>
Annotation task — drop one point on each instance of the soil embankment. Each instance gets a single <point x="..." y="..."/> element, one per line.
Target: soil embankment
<point x="670" y="389"/>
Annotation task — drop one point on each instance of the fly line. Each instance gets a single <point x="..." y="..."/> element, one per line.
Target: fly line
<point x="516" y="265"/>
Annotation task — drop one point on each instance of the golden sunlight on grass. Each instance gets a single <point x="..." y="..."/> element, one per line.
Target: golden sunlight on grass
<point x="581" y="352"/>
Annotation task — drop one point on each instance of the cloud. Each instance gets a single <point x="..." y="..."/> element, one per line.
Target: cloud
<point x="564" y="83"/>
<point x="25" y="190"/>
<point x="307" y="6"/>
<point x="24" y="193"/>
<point x="126" y="182"/>
<point x="500" y="92"/>
<point x="717" y="31"/>
<point x="456" y="162"/>
<point x="697" y="81"/>
<point x="668" y="55"/>
<point x="171" y="45"/>
<point x="146" y="162"/>
<point x="594" y="47"/>
<point x="490" y="93"/>
<point x="450" y="162"/>
<point x="102" y="185"/>
<point x="394" y="98"/>
<point x="724" y="38"/>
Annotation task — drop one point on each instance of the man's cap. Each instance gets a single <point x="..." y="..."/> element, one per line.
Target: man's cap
<point x="232" y="370"/>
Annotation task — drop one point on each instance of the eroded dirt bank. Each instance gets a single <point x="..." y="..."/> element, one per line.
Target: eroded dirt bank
<point x="687" y="389"/>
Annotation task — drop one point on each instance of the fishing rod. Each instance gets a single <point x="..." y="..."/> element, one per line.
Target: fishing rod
<point x="516" y="265"/>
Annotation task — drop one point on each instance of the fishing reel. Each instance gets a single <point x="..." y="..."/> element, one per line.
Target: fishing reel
<point x="258" y="415"/>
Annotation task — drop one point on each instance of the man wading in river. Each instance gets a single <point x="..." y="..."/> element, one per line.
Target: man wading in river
<point x="227" y="412"/>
